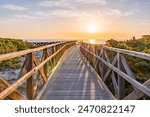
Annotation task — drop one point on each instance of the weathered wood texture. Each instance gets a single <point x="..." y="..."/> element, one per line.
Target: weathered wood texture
<point x="31" y="66"/>
<point x="74" y="79"/>
<point x="15" y="95"/>
<point x="112" y="63"/>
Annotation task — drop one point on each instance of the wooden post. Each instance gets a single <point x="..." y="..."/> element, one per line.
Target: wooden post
<point x="54" y="58"/>
<point x="30" y="81"/>
<point x="53" y="51"/>
<point x="121" y="81"/>
<point x="93" y="58"/>
<point x="97" y="61"/>
<point x="46" y="65"/>
<point x="57" y="56"/>
<point x="102" y="75"/>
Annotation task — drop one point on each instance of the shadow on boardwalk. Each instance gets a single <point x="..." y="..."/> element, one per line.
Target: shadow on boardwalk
<point x="75" y="80"/>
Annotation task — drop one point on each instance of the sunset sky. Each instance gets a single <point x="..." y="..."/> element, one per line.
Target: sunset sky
<point x="74" y="19"/>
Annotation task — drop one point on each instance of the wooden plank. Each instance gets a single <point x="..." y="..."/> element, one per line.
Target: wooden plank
<point x="127" y="68"/>
<point x="137" y="94"/>
<point x="8" y="56"/>
<point x="36" y="84"/>
<point x="53" y="64"/>
<point x="49" y="63"/>
<point x="102" y="75"/>
<point x="40" y="70"/>
<point x="114" y="84"/>
<point x="131" y="53"/>
<point x="123" y="51"/>
<point x="121" y="81"/>
<point x="24" y="67"/>
<point x="19" y="82"/>
<point x="97" y="62"/>
<point x="100" y="69"/>
<point x="14" y="86"/>
<point x="109" y="70"/>
<point x="75" y="80"/>
<point x="14" y="95"/>
<point x="30" y="80"/>
<point x="45" y="51"/>
<point x="125" y="76"/>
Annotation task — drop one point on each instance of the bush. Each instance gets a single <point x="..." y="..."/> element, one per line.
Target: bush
<point x="12" y="45"/>
<point x="140" y="67"/>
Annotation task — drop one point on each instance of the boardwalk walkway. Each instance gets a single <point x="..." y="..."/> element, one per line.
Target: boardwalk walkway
<point x="75" y="80"/>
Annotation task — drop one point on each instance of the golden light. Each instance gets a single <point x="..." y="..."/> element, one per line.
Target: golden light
<point x="92" y="28"/>
<point x="92" y="41"/>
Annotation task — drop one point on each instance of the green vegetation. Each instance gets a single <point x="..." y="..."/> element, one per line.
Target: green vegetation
<point x="12" y="45"/>
<point x="139" y="66"/>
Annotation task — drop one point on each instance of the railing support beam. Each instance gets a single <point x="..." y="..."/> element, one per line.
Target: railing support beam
<point x="30" y="81"/>
<point x="121" y="81"/>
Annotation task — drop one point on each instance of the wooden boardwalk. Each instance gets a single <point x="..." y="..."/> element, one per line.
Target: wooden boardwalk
<point x="74" y="79"/>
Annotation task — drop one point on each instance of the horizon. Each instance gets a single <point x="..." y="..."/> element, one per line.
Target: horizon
<point x="80" y="19"/>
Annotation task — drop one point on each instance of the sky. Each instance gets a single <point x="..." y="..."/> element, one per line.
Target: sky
<point x="74" y="19"/>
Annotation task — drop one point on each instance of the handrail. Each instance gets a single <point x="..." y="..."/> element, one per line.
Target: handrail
<point x="123" y="51"/>
<point x="128" y="52"/>
<point x="11" y="55"/>
<point x="97" y="55"/>
<point x="50" y="58"/>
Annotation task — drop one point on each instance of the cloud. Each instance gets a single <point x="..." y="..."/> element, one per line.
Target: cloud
<point x="25" y="17"/>
<point x="79" y="8"/>
<point x="69" y="3"/>
<point x="69" y="13"/>
<point x="144" y="22"/>
<point x="102" y="2"/>
<point x="14" y="7"/>
<point x="68" y="8"/>
<point x="42" y="14"/>
<point x="114" y="12"/>
<point x="119" y="13"/>
<point x="54" y="3"/>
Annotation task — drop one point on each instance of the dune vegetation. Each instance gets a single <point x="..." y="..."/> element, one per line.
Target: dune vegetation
<point x="139" y="66"/>
<point x="8" y="45"/>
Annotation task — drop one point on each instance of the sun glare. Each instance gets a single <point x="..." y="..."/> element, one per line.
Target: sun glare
<point x="92" y="28"/>
<point x="92" y="41"/>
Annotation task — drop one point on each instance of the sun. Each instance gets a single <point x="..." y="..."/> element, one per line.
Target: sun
<point x="92" y="28"/>
<point x="92" y="41"/>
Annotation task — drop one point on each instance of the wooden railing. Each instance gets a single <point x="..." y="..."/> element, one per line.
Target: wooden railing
<point x="34" y="69"/>
<point x="111" y="64"/>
